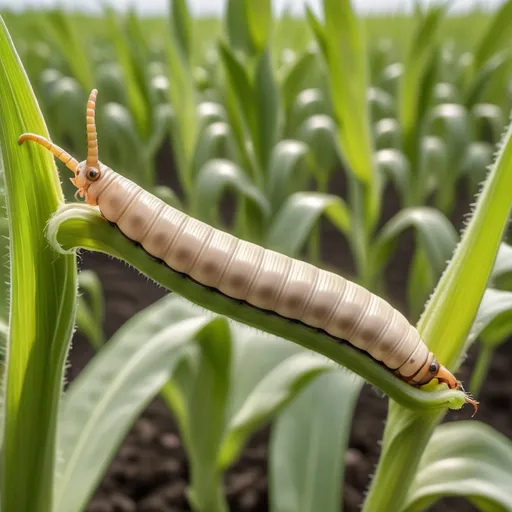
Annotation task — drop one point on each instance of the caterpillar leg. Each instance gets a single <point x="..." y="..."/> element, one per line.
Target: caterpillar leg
<point x="446" y="377"/>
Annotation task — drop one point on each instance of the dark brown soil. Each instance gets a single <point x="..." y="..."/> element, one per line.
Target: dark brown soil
<point x="149" y="472"/>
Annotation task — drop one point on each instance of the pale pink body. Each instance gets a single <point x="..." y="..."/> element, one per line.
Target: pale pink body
<point x="265" y="279"/>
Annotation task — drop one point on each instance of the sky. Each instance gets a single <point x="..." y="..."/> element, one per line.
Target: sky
<point x="216" y="6"/>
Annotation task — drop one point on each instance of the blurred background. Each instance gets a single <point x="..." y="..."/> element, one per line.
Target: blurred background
<point x="173" y="116"/>
<point x="215" y="7"/>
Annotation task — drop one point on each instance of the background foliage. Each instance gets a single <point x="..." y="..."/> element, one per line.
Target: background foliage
<point x="278" y="130"/>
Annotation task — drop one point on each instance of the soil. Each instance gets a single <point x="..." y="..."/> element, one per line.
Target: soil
<point x="149" y="472"/>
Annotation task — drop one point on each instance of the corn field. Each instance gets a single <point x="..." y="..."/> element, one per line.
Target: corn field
<point x="375" y="147"/>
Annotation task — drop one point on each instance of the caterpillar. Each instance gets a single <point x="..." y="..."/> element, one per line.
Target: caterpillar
<point x="247" y="272"/>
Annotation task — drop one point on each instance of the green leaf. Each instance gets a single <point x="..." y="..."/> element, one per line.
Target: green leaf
<point x="261" y="366"/>
<point x="122" y="145"/>
<point x="295" y="76"/>
<point x="89" y="282"/>
<point x="318" y="30"/>
<point x="391" y="77"/>
<point x="449" y="122"/>
<point x="394" y="167"/>
<point x="241" y="132"/>
<point x="445" y="92"/>
<point x="64" y="105"/>
<point x="502" y="271"/>
<point x="381" y="55"/>
<point x="243" y="89"/>
<point x="477" y="160"/>
<point x="459" y="292"/>
<point x="308" y="103"/>
<point x="288" y="171"/>
<point x="107" y="397"/>
<point x="493" y="322"/>
<point x="319" y="133"/>
<point x="496" y="34"/>
<point x="135" y="88"/>
<point x="87" y="325"/>
<point x="432" y="75"/>
<point x="46" y="82"/>
<point x="4" y="336"/>
<point x="83" y="226"/>
<point x="214" y="179"/>
<point x="110" y="80"/>
<point x="388" y="134"/>
<point x="198" y="393"/>
<point x="421" y="282"/>
<point x="484" y="77"/>
<point x="416" y="65"/>
<point x="73" y="47"/>
<point x="259" y="17"/>
<point x="381" y="104"/>
<point x="42" y="298"/>
<point x="209" y="112"/>
<point x="270" y="394"/>
<point x="269" y="112"/>
<point x="297" y="217"/>
<point x="346" y="55"/>
<point x="167" y="195"/>
<point x="181" y="23"/>
<point x="163" y="122"/>
<point x="493" y="325"/>
<point x="432" y="167"/>
<point x="182" y="94"/>
<point x="216" y="142"/>
<point x="467" y="459"/>
<point x="488" y="122"/>
<point x="436" y="235"/>
<point x="306" y="452"/>
<point x="90" y="311"/>
<point x="4" y="266"/>
<point x="237" y="27"/>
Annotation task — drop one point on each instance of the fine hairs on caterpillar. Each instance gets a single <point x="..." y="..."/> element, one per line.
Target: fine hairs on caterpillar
<point x="247" y="272"/>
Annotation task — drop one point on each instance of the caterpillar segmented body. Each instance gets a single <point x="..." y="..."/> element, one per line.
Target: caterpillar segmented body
<point x="247" y="272"/>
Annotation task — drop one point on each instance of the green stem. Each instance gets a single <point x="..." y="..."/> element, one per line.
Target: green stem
<point x="206" y="495"/>
<point x="360" y="242"/>
<point x="405" y="438"/>
<point x="481" y="369"/>
<point x="206" y="492"/>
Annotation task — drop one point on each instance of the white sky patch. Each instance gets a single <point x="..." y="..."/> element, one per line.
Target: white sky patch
<point x="216" y="7"/>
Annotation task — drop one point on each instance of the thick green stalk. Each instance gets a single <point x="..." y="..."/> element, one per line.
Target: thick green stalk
<point x="207" y="494"/>
<point x="444" y="326"/>
<point x="42" y="299"/>
<point x="405" y="438"/>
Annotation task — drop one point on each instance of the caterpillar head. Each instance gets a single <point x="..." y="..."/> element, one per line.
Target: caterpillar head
<point x="86" y="172"/>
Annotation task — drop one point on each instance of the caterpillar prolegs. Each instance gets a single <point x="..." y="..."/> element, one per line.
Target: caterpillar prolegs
<point x="247" y="272"/>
